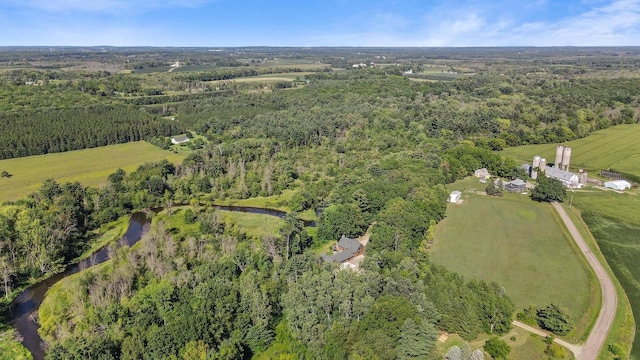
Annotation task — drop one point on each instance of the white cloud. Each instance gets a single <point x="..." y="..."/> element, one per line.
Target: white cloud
<point x="614" y="23"/>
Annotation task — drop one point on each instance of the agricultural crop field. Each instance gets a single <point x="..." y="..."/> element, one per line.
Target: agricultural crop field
<point x="90" y="166"/>
<point x="519" y="244"/>
<point x="617" y="147"/>
<point x="614" y="222"/>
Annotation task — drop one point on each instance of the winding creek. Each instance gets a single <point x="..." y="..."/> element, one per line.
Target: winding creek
<point x="24" y="309"/>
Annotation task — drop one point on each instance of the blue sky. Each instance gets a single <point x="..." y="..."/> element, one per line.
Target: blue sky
<point x="320" y="22"/>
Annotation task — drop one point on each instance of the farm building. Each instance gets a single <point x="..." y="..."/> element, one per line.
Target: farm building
<point x="618" y="184"/>
<point x="515" y="186"/>
<point x="569" y="179"/>
<point x="346" y="249"/>
<point x="482" y="173"/>
<point x="454" y="196"/>
<point x="179" y="139"/>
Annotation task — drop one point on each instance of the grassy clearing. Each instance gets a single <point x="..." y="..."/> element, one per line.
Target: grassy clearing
<point x="594" y="152"/>
<point x="277" y="202"/>
<point x="90" y="166"/>
<point x="615" y="225"/>
<point x="524" y="345"/>
<point x="254" y="225"/>
<point x="268" y="77"/>
<point x="108" y="233"/>
<point x="520" y="245"/>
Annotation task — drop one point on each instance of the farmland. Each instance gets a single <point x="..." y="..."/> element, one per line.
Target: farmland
<point x="90" y="166"/>
<point x="521" y="245"/>
<point x="593" y="153"/>
<point x="613" y="221"/>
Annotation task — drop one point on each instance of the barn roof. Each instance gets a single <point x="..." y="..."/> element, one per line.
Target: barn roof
<point x="558" y="173"/>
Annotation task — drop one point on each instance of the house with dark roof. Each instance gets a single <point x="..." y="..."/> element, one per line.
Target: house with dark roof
<point x="345" y="250"/>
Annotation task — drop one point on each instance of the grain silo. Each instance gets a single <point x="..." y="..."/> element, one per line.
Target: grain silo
<point x="543" y="164"/>
<point x="559" y="151"/>
<point x="534" y="168"/>
<point x="566" y="157"/>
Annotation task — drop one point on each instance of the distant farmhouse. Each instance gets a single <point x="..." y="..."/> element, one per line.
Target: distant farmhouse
<point x="179" y="139"/>
<point x="346" y="249"/>
<point x="618" y="185"/>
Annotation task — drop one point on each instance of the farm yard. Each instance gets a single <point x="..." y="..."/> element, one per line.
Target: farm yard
<point x="617" y="147"/>
<point x="522" y="246"/>
<point x="90" y="166"/>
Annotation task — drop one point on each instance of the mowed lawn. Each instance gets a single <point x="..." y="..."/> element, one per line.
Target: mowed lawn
<point x="520" y="245"/>
<point x="90" y="166"/>
<point x="617" y="147"/>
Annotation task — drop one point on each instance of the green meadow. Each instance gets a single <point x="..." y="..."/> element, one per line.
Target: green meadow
<point x="90" y="166"/>
<point x="522" y="246"/>
<point x="617" y="147"/>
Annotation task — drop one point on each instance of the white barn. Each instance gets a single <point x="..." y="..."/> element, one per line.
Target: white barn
<point x="454" y="196"/>
<point x="617" y="184"/>
<point x="569" y="179"/>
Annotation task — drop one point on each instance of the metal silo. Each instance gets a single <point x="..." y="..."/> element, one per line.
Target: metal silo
<point x="534" y="168"/>
<point x="559" y="151"/>
<point x="566" y="157"/>
<point x="543" y="164"/>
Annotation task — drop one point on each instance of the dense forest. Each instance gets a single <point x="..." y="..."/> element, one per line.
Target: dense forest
<point x="367" y="149"/>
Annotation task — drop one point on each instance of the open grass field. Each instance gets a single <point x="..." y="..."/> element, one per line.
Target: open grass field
<point x="290" y="76"/>
<point x="617" y="147"/>
<point x="614" y="221"/>
<point x="254" y="225"/>
<point x="522" y="246"/>
<point x="90" y="166"/>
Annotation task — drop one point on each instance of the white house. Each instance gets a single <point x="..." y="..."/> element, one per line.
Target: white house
<point x="179" y="139"/>
<point x="617" y="184"/>
<point x="454" y="196"/>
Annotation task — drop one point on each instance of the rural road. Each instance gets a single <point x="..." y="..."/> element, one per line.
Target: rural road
<point x="592" y="347"/>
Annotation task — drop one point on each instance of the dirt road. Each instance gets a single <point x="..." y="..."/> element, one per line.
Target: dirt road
<point x="575" y="349"/>
<point x="592" y="347"/>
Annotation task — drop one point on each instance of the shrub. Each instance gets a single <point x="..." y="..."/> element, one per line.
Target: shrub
<point x="497" y="348"/>
<point x="552" y="318"/>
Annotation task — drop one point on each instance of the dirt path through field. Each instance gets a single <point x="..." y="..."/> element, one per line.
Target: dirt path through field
<point x="575" y="349"/>
<point x="592" y="347"/>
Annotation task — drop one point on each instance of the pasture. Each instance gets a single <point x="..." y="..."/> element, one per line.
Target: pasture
<point x="522" y="246"/>
<point x="617" y="147"/>
<point x="613" y="220"/>
<point x="90" y="166"/>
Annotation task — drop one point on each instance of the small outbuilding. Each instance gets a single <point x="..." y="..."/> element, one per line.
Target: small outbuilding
<point x="179" y="139"/>
<point x="481" y="173"/>
<point x="618" y="185"/>
<point x="454" y="196"/>
<point x="515" y="186"/>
